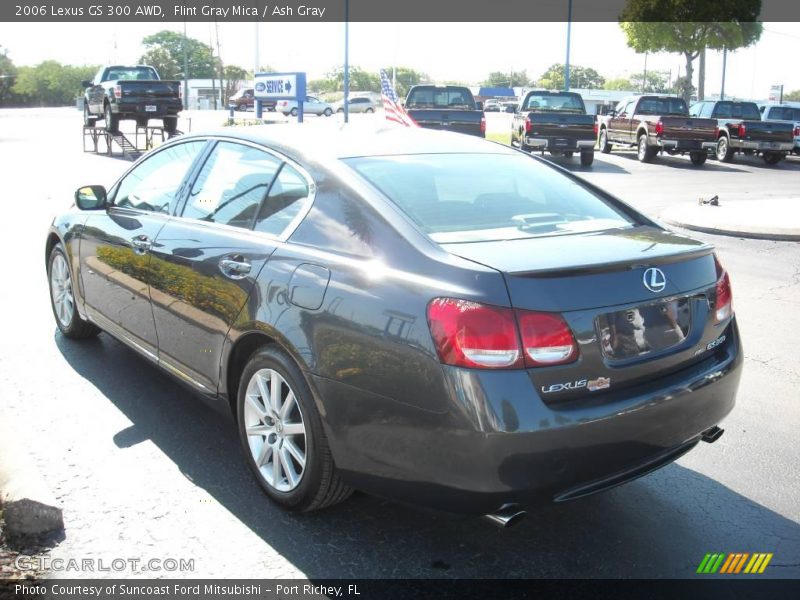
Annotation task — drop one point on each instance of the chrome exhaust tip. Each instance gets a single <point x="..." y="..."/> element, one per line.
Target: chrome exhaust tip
<point x="712" y="435"/>
<point x="506" y="516"/>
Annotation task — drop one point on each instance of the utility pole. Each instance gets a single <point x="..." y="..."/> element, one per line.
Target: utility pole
<point x="185" y="67"/>
<point x="644" y="75"/>
<point x="701" y="76"/>
<point x="569" y="33"/>
<point x="346" y="59"/>
<point x="221" y="69"/>
<point x="724" y="66"/>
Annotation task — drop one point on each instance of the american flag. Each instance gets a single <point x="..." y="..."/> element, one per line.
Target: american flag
<point x="392" y="110"/>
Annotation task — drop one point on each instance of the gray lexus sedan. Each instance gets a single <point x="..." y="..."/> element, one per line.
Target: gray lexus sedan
<point x="425" y="316"/>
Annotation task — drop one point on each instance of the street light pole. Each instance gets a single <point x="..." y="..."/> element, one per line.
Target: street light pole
<point x="724" y="66"/>
<point x="185" y="68"/>
<point x="569" y="33"/>
<point x="346" y="59"/>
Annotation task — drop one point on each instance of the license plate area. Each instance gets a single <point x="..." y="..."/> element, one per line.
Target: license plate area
<point x="645" y="329"/>
<point x="151" y="108"/>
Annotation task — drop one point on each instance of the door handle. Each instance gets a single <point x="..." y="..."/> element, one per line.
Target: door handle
<point x="141" y="244"/>
<point x="235" y="269"/>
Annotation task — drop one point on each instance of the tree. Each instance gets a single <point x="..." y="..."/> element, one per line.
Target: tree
<point x="50" y="83"/>
<point x="405" y="79"/>
<point x="620" y="83"/>
<point x="7" y="74"/>
<point x="164" y="51"/>
<point x="792" y="96"/>
<point x="507" y="79"/>
<point x="233" y="77"/>
<point x="656" y="82"/>
<point x="579" y="77"/>
<point x="663" y="26"/>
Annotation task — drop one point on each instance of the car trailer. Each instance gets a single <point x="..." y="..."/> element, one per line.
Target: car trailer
<point x="130" y="150"/>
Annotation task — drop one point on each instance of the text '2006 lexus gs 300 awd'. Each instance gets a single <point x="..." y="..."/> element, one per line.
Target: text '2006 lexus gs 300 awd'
<point x="425" y="316"/>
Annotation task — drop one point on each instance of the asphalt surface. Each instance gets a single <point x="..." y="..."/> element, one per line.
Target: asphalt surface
<point x="144" y="469"/>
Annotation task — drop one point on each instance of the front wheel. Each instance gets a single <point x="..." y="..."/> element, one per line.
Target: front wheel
<point x="282" y="436"/>
<point x="88" y="119"/>
<point x="772" y="158"/>
<point x="62" y="298"/>
<point x="698" y="158"/>
<point x="293" y="112"/>
<point x="328" y="112"/>
<point x="605" y="147"/>
<point x="369" y="110"/>
<point x="242" y="108"/>
<point x="587" y="158"/>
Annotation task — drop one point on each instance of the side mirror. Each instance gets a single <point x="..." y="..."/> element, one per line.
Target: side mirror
<point x="612" y="113"/>
<point x="479" y="105"/>
<point x="86" y="83"/>
<point x="91" y="197"/>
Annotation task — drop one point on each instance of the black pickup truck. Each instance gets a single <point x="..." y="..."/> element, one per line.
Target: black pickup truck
<point x="556" y="122"/>
<point x="654" y="124"/>
<point x="450" y="107"/>
<point x="742" y="130"/>
<point x="120" y="92"/>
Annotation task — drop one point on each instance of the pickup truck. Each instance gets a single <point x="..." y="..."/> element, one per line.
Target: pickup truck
<point x="450" y="107"/>
<point x="786" y="113"/>
<point x="740" y="129"/>
<point x="124" y="92"/>
<point x="654" y="124"/>
<point x="556" y="122"/>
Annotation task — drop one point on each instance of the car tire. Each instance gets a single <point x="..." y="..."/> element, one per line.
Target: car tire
<point x="522" y="145"/>
<point x="242" y="108"/>
<point x="88" y="119"/>
<point x="170" y="124"/>
<point x="605" y="147"/>
<point x="62" y="298"/>
<point x="587" y="158"/>
<point x="264" y="425"/>
<point x="112" y="120"/>
<point x="293" y="112"/>
<point x="724" y="152"/>
<point x="772" y="158"/>
<point x="644" y="152"/>
<point x="698" y="158"/>
<point x="369" y="110"/>
<point x="328" y="112"/>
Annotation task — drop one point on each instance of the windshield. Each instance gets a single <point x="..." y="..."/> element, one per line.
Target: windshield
<point x="554" y="102"/>
<point x="444" y="97"/>
<point x="662" y="106"/>
<point x="737" y="110"/>
<point x="131" y="73"/>
<point x="486" y="197"/>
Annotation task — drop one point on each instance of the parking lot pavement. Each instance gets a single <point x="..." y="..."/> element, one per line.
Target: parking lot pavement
<point x="145" y="470"/>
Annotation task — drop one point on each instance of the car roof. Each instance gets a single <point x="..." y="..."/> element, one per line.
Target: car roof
<point x="336" y="141"/>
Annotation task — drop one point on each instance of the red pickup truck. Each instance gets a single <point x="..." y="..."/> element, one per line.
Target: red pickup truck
<point x="654" y="124"/>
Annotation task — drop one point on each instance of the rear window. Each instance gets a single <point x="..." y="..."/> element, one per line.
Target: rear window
<point x="662" y="106"/>
<point x="131" y="74"/>
<point x="737" y="110"/>
<point x="444" y="97"/>
<point x="554" y="102"/>
<point x="487" y="197"/>
<point x="784" y="113"/>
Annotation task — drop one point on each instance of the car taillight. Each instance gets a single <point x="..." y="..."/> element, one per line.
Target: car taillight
<point x="117" y="91"/>
<point x="470" y="334"/>
<point x="483" y="124"/>
<point x="797" y="131"/>
<point x="546" y="339"/>
<point x="595" y="128"/>
<point x="723" y="307"/>
<point x="716" y="131"/>
<point x="474" y="335"/>
<point x="742" y="130"/>
<point x="527" y="124"/>
<point x="660" y="128"/>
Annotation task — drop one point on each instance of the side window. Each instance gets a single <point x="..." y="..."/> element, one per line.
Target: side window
<point x="696" y="109"/>
<point x="285" y="200"/>
<point x="230" y="186"/>
<point x="154" y="184"/>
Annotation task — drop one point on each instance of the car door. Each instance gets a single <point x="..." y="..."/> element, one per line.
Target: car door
<point x="206" y="262"/>
<point x="617" y="124"/>
<point x="96" y="94"/>
<point x="312" y="105"/>
<point x="115" y="244"/>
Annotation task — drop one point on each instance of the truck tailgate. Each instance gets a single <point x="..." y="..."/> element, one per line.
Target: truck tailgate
<point x="689" y="128"/>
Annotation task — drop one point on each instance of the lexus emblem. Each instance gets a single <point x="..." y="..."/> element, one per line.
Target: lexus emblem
<point x="654" y="280"/>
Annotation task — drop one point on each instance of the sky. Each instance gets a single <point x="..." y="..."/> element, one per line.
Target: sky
<point x="452" y="51"/>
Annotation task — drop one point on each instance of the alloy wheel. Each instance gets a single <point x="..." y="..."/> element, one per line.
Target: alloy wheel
<point x="61" y="290"/>
<point x="276" y="432"/>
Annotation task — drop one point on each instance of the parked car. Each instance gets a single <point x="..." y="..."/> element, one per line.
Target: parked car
<point x="311" y="105"/>
<point x="556" y="122"/>
<point x="245" y="100"/>
<point x="448" y="107"/>
<point x="131" y="92"/>
<point x="654" y="124"/>
<point x="740" y="129"/>
<point x="510" y="106"/>
<point x="362" y="104"/>
<point x="426" y="316"/>
<point x="785" y="113"/>
<point x="492" y="105"/>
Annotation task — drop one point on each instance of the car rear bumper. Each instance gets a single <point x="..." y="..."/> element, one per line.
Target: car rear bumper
<point x="502" y="444"/>
<point x="759" y="145"/>
<point x="560" y="145"/>
<point x="686" y="145"/>
<point x="139" y="109"/>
